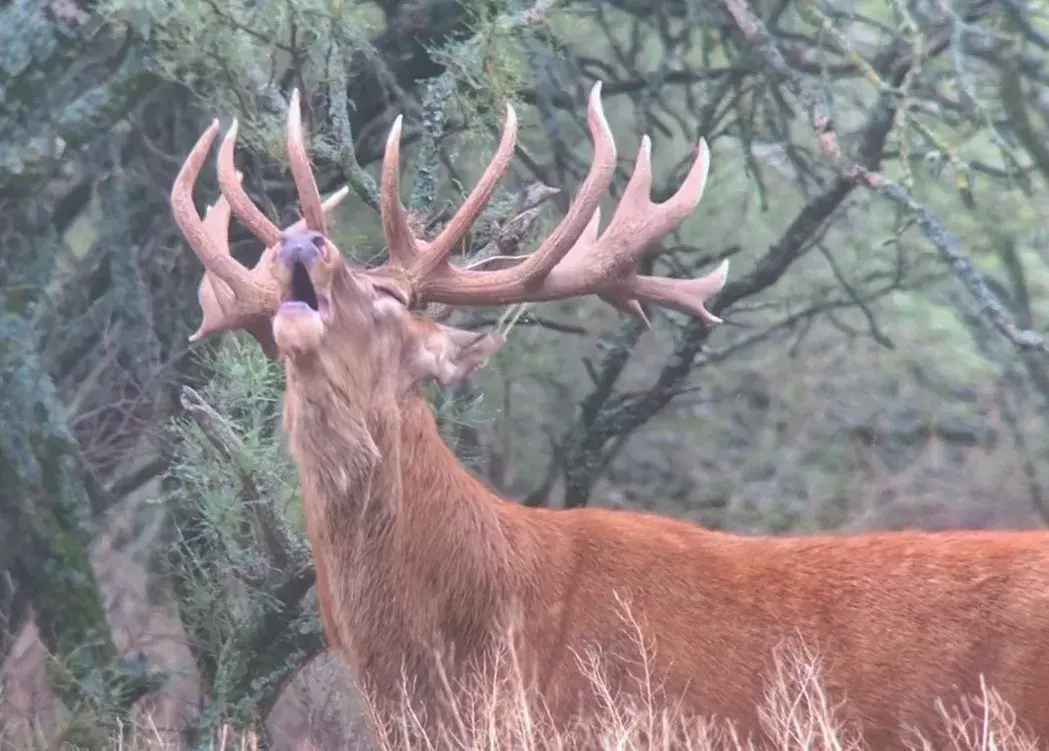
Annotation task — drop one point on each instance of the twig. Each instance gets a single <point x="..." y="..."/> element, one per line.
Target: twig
<point x="214" y="426"/>
<point x="285" y="549"/>
<point x="934" y="230"/>
<point x="530" y="319"/>
<point x="874" y="328"/>
<point x="338" y="109"/>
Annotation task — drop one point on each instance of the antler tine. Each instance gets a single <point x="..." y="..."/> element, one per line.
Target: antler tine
<point x="408" y="252"/>
<point x="249" y="293"/>
<point x="213" y="294"/>
<point x="217" y="302"/>
<point x="301" y="172"/>
<point x="327" y="207"/>
<point x="534" y="268"/>
<point x="239" y="201"/>
<point x="687" y="295"/>
<point x="401" y="244"/>
<point x="457" y="286"/>
<point x="636" y="224"/>
<point x="435" y="253"/>
<point x="581" y="212"/>
<point x="245" y="209"/>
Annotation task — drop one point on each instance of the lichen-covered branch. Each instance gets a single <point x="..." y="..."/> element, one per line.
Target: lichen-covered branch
<point x="286" y="549"/>
<point x="933" y="228"/>
<point x="253" y="622"/>
<point x="46" y="117"/>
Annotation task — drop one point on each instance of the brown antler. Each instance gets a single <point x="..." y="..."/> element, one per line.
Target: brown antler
<point x="575" y="259"/>
<point x="313" y="210"/>
<point x="251" y="292"/>
<point x="419" y="257"/>
<point x="215" y="296"/>
<point x="232" y="296"/>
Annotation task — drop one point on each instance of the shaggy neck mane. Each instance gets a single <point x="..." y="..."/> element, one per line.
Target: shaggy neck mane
<point x="398" y="526"/>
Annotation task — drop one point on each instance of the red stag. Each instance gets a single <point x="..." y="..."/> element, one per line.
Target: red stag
<point x="417" y="558"/>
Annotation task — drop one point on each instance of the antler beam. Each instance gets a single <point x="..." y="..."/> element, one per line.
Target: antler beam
<point x="575" y="259"/>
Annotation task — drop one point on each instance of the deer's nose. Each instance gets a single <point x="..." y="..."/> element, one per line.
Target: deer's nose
<point x="302" y="247"/>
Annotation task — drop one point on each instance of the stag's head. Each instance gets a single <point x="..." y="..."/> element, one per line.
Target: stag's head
<point x="303" y="300"/>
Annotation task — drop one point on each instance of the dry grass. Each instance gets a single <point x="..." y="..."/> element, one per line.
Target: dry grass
<point x="495" y="713"/>
<point x="796" y="715"/>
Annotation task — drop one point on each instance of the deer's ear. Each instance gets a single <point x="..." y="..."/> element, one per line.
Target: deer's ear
<point x="448" y="354"/>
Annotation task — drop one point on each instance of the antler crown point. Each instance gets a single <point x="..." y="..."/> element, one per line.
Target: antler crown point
<point x="395" y="132"/>
<point x="595" y="100"/>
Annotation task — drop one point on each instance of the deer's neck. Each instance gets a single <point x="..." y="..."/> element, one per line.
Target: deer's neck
<point x="409" y="546"/>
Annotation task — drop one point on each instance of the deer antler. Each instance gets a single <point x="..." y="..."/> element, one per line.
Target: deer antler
<point x="232" y="296"/>
<point x="419" y="257"/>
<point x="252" y="293"/>
<point x="575" y="259"/>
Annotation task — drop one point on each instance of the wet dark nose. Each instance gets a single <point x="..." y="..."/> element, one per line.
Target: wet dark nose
<point x="301" y="247"/>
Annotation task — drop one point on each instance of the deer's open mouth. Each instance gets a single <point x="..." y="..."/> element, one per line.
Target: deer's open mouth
<point x="302" y="295"/>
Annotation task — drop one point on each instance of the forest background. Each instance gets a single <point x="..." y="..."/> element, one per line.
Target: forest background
<point x="879" y="180"/>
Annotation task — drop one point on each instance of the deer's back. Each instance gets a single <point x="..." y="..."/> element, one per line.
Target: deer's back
<point x="894" y="620"/>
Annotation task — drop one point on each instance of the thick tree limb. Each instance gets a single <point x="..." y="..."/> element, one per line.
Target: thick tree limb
<point x="284" y="548"/>
<point x="283" y="632"/>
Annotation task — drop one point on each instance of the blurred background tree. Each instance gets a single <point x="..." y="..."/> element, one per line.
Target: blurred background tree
<point x="878" y="179"/>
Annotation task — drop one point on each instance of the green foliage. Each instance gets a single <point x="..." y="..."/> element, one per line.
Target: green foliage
<point x="458" y="411"/>
<point x="489" y="66"/>
<point x="231" y="55"/>
<point x="240" y="572"/>
<point x="246" y="389"/>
